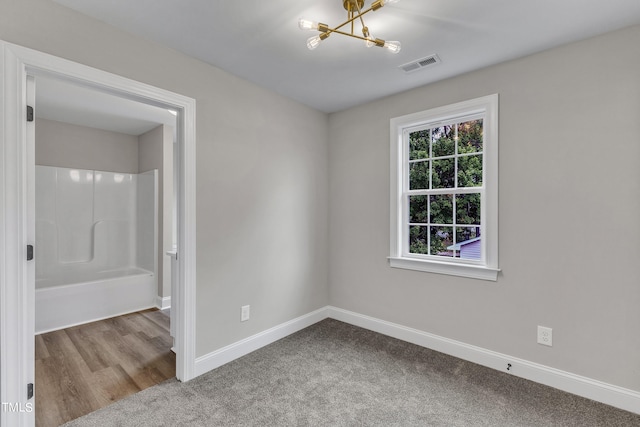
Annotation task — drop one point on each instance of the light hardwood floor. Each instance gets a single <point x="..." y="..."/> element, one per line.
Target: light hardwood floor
<point x="84" y="368"/>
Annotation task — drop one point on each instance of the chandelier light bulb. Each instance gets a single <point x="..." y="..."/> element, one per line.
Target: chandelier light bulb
<point x="393" y="46"/>
<point x="386" y="2"/>
<point x="306" y="24"/>
<point x="370" y="42"/>
<point x="313" y="42"/>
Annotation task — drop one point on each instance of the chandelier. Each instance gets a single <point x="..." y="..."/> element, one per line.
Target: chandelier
<point x="354" y="13"/>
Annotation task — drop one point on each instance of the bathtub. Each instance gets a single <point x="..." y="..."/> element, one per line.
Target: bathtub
<point x="96" y="245"/>
<point x="79" y="297"/>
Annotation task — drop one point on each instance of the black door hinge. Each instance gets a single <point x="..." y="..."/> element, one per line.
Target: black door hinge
<point x="29" y="113"/>
<point x="29" y="391"/>
<point x="29" y="252"/>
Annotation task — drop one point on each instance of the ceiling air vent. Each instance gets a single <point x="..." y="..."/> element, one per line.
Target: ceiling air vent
<point x="419" y="64"/>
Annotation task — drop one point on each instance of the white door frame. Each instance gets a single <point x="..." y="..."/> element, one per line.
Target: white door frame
<point x="17" y="288"/>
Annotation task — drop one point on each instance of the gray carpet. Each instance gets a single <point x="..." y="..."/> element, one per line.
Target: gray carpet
<point x="335" y="374"/>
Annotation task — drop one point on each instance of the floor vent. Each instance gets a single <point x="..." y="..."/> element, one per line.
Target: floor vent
<point x="419" y="64"/>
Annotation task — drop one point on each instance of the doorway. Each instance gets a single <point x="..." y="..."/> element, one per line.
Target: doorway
<point x="17" y="284"/>
<point x="104" y="205"/>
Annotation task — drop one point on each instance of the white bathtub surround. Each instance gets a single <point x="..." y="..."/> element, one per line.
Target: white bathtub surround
<point x="95" y="245"/>
<point x="146" y="221"/>
<point x="63" y="306"/>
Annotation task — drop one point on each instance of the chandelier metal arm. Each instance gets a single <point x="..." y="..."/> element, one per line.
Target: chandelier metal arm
<point x="347" y="34"/>
<point x="354" y="18"/>
<point x="377" y="42"/>
<point x="364" y="27"/>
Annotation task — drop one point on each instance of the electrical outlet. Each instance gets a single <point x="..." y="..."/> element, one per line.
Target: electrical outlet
<point x="245" y="313"/>
<point x="545" y="336"/>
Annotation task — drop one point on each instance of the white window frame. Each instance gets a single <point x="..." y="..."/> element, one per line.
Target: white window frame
<point x="487" y="268"/>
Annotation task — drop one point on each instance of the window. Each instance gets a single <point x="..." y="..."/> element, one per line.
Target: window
<point x="444" y="190"/>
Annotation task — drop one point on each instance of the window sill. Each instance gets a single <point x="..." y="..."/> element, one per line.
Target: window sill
<point x="462" y="270"/>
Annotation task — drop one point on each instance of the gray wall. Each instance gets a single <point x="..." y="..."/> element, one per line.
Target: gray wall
<point x="155" y="151"/>
<point x="569" y="203"/>
<point x="262" y="190"/>
<point x="71" y="146"/>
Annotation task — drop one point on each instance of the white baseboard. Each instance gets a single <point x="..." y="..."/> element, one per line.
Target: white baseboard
<point x="238" y="349"/>
<point x="618" y="397"/>
<point x="163" y="302"/>
<point x="582" y="386"/>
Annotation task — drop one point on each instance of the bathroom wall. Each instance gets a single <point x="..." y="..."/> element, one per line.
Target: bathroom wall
<point x="71" y="146"/>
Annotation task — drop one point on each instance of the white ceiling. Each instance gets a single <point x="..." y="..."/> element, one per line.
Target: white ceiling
<point x="260" y="40"/>
<point x="64" y="101"/>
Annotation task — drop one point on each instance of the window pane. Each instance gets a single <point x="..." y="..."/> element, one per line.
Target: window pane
<point x="470" y="136"/>
<point x="441" y="239"/>
<point x="464" y="234"/>
<point x="468" y="242"/>
<point x="441" y="209"/>
<point x="470" y="171"/>
<point x="468" y="209"/>
<point x="419" y="145"/>
<point x="418" y="240"/>
<point x="418" y="209"/>
<point x="443" y="173"/>
<point x="443" y="141"/>
<point x="419" y="175"/>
